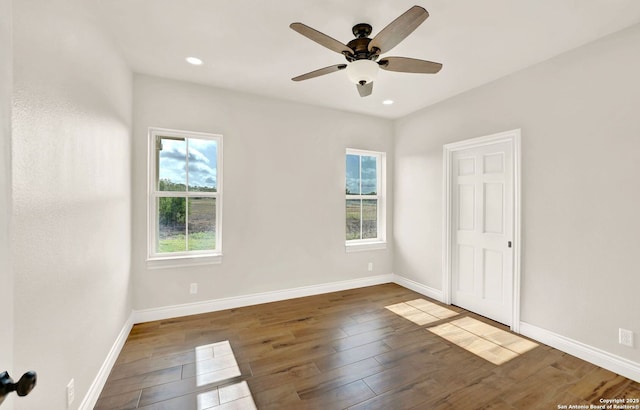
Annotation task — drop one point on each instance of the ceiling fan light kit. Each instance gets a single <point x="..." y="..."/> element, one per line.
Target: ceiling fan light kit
<point x="362" y="52"/>
<point x="362" y="71"/>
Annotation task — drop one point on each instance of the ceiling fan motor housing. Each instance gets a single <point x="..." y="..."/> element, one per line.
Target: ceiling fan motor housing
<point x="360" y="44"/>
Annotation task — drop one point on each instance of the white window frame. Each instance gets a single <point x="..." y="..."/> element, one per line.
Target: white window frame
<point x="186" y="258"/>
<point x="355" y="245"/>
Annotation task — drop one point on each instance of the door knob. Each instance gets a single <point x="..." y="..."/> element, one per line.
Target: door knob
<point x="24" y="386"/>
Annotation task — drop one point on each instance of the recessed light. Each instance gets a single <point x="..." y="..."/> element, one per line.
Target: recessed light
<point x="194" y="60"/>
<point x="387" y="102"/>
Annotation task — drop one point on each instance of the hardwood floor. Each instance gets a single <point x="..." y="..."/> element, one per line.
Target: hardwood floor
<point x="380" y="347"/>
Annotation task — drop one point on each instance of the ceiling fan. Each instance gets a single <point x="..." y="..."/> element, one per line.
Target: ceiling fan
<point x="362" y="52"/>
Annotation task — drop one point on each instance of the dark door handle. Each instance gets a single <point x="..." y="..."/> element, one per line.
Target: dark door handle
<point x="24" y="386"/>
<point x="509" y="244"/>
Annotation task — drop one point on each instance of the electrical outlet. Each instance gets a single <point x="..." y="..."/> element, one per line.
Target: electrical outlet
<point x="71" y="393"/>
<point x="193" y="289"/>
<point x="370" y="267"/>
<point x="625" y="337"/>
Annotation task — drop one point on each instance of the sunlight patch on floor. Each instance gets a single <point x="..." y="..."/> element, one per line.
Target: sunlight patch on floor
<point x="232" y="396"/>
<point x="488" y="342"/>
<point x="216" y="364"/>
<point x="433" y="309"/>
<point x="421" y="311"/>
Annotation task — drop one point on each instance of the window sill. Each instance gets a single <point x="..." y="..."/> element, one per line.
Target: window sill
<point x="366" y="246"/>
<point x="183" y="261"/>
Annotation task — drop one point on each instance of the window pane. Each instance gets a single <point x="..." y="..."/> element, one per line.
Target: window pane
<point x="202" y="224"/>
<point x="369" y="175"/>
<point x="353" y="219"/>
<point x="369" y="218"/>
<point x="203" y="165"/>
<point x="172" y="162"/>
<point x="171" y="225"/>
<point x="353" y="174"/>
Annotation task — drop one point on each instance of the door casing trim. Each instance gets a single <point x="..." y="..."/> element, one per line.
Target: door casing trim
<point x="512" y="136"/>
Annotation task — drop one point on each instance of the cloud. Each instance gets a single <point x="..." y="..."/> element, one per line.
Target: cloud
<point x="369" y="172"/>
<point x="202" y="175"/>
<point x="202" y="162"/>
<point x="178" y="152"/>
<point x="173" y="154"/>
<point x="361" y="172"/>
<point x="197" y="156"/>
<point x="201" y="169"/>
<point x="369" y="185"/>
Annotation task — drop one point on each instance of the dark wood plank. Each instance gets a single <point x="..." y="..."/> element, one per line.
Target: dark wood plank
<point x="141" y="381"/>
<point x="340" y="397"/>
<point x="125" y="401"/>
<point x="277" y="398"/>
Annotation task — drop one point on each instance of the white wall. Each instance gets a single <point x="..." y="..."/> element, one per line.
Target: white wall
<point x="6" y="273"/>
<point x="71" y="197"/>
<point x="581" y="160"/>
<point x="283" y="218"/>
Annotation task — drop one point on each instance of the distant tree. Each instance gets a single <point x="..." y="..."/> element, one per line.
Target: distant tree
<point x="171" y="210"/>
<point x="198" y="188"/>
<point x="166" y="185"/>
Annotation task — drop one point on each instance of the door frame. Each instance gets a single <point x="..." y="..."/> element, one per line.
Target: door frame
<point x="512" y="136"/>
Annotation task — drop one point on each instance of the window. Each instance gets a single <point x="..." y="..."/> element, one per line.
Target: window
<point x="185" y="194"/>
<point x="365" y="221"/>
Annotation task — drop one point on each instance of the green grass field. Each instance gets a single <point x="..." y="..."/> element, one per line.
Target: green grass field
<point x="202" y="229"/>
<point x="369" y="219"/>
<point x="198" y="241"/>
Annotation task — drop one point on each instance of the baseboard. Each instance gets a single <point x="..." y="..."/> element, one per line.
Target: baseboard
<point x="616" y="364"/>
<point x="419" y="287"/>
<point x="168" y="312"/>
<point x="91" y="398"/>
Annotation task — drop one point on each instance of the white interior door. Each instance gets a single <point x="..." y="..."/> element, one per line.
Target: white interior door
<point x="482" y="221"/>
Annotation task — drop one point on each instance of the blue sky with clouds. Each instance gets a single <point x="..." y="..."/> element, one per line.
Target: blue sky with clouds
<point x="365" y="176"/>
<point x="203" y="156"/>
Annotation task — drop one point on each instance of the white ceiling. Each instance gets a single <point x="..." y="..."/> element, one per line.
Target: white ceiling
<point x="247" y="45"/>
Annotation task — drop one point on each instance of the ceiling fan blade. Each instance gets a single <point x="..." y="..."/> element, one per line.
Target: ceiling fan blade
<point x="398" y="29"/>
<point x="409" y="65"/>
<point x="365" y="90"/>
<point x="322" y="71"/>
<point x="321" y="38"/>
